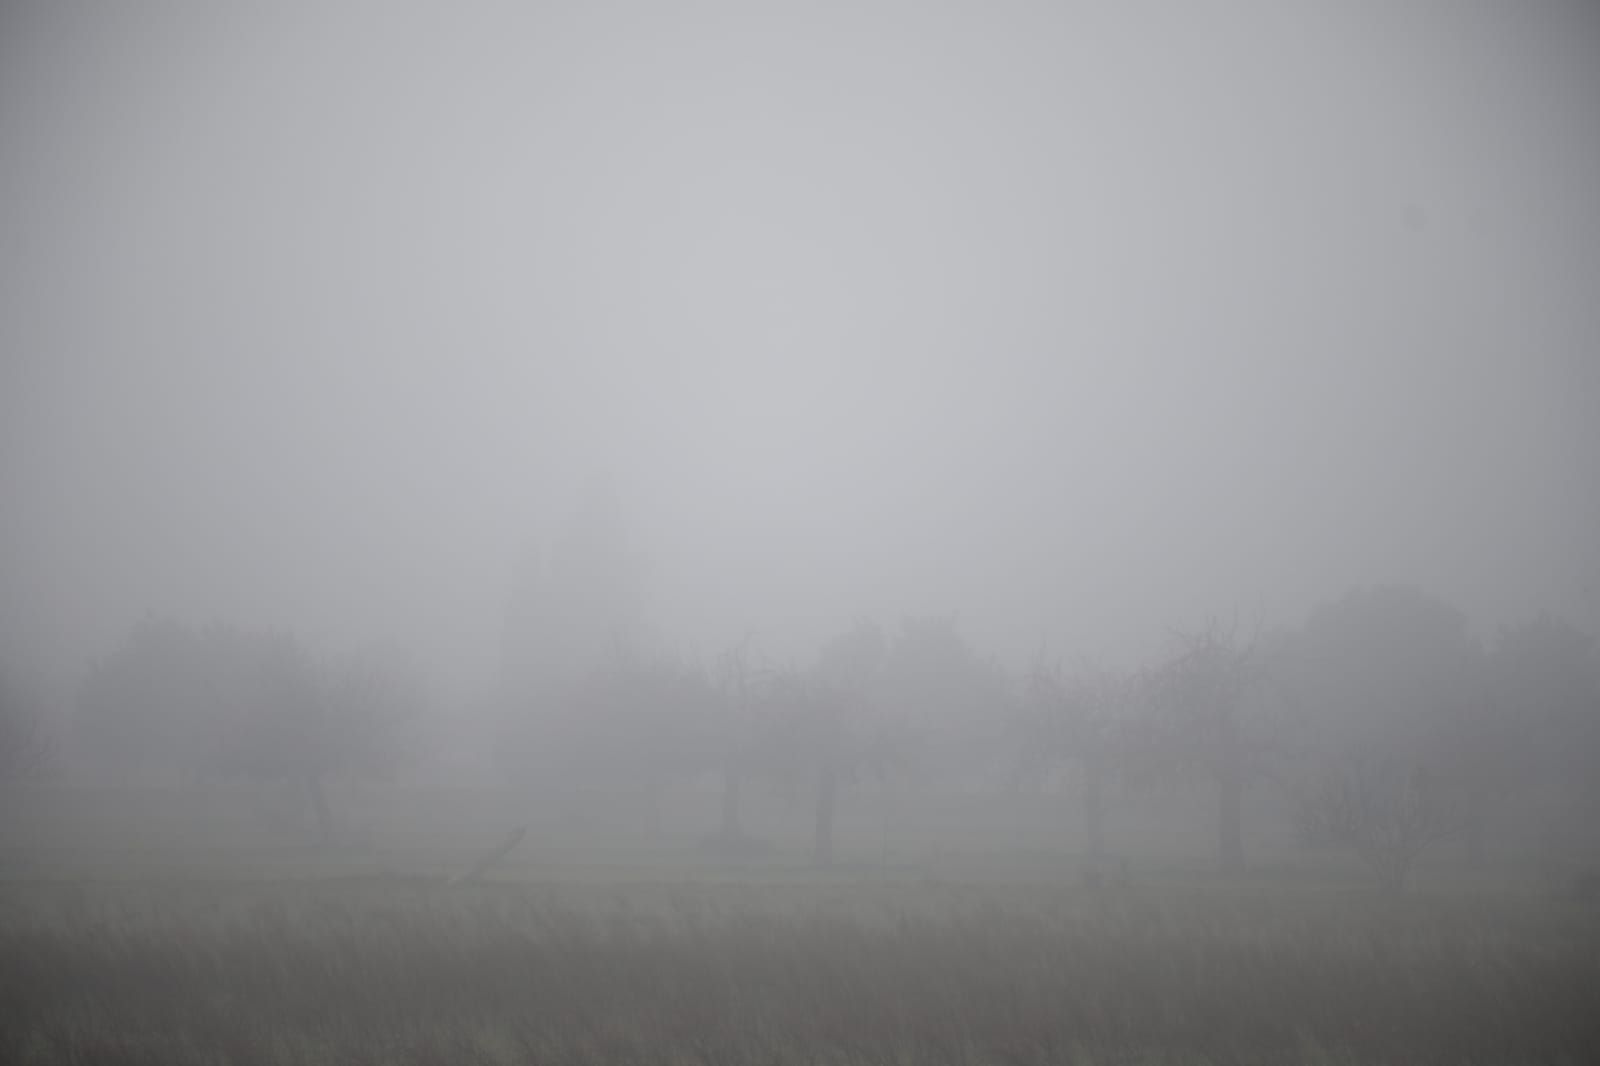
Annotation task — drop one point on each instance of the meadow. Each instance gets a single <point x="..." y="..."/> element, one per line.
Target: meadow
<point x="606" y="947"/>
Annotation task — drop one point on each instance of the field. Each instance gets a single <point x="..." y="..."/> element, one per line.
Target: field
<point x="194" y="943"/>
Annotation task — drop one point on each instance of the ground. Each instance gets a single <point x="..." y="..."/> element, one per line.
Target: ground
<point x="160" y="929"/>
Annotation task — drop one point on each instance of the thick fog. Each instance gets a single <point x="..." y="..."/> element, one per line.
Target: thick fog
<point x="1077" y="320"/>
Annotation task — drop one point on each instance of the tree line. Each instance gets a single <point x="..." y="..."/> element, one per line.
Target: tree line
<point x="176" y="704"/>
<point x="1382" y="722"/>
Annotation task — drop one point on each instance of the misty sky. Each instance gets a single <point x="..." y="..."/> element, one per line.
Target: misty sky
<point x="1081" y="320"/>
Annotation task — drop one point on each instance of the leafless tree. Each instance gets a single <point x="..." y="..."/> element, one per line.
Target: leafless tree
<point x="1396" y="686"/>
<point x="941" y="691"/>
<point x="294" y="717"/>
<point x="226" y="702"/>
<point x="1202" y="704"/>
<point x="829" y="722"/>
<point x="1386" y="807"/>
<point x="1079" y="719"/>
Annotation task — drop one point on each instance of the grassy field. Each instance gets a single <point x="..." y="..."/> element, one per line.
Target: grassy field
<point x="255" y="950"/>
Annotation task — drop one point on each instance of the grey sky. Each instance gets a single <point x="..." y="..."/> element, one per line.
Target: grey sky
<point x="1081" y="320"/>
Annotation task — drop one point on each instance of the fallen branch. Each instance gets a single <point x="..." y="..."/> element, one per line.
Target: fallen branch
<point x="490" y="857"/>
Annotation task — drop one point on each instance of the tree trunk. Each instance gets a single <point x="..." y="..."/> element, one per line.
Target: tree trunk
<point x="1094" y="810"/>
<point x="1230" y="807"/>
<point x="1393" y="873"/>
<point x="730" y="802"/>
<point x="319" y="806"/>
<point x="827" y="791"/>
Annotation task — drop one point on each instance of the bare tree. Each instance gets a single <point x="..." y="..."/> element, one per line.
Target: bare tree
<point x="811" y="730"/>
<point x="1397" y="692"/>
<point x="1386" y="807"/>
<point x="572" y="607"/>
<point x="226" y="702"/>
<point x="1078" y="719"/>
<point x="828" y="722"/>
<point x="282" y="726"/>
<point x="1200" y="715"/>
<point x="940" y="689"/>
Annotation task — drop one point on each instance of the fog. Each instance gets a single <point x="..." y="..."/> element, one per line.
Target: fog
<point x="1080" y="321"/>
<point x="842" y="532"/>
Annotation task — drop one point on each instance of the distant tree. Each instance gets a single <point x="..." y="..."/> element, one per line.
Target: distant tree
<point x="1080" y="719"/>
<point x="227" y="702"/>
<point x="853" y="660"/>
<point x="376" y="698"/>
<point x="1408" y="748"/>
<point x="282" y="727"/>
<point x="1381" y="661"/>
<point x="1387" y="807"/>
<point x="830" y="721"/>
<point x="941" y="692"/>
<point x="299" y="720"/>
<point x="810" y="731"/>
<point x="1205" y="710"/>
<point x="571" y="609"/>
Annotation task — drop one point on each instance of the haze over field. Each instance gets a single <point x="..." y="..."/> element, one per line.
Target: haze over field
<point x="1015" y="532"/>
<point x="1077" y="320"/>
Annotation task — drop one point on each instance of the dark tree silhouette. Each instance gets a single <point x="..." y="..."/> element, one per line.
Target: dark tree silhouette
<point x="1409" y="744"/>
<point x="1202" y="707"/>
<point x="1079" y="719"/>
<point x="227" y="702"/>
<point x="301" y="721"/>
<point x="828" y="722"/>
<point x="1387" y="808"/>
<point x="572" y="607"/>
<point x="947" y="699"/>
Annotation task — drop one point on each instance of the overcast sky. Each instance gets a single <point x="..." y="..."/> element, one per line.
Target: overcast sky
<point x="1081" y="320"/>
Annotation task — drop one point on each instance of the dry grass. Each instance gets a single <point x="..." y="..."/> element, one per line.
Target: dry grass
<point x="968" y="978"/>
